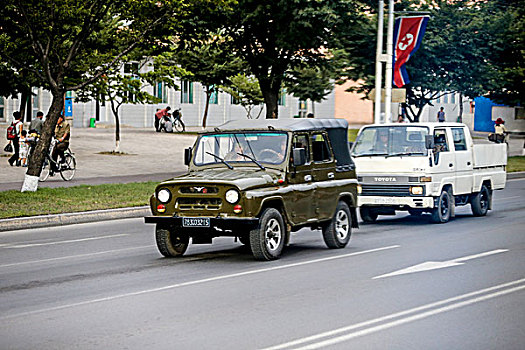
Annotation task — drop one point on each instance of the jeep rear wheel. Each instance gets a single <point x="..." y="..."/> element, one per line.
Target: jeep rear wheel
<point x="337" y="233"/>
<point x="267" y="240"/>
<point x="169" y="243"/>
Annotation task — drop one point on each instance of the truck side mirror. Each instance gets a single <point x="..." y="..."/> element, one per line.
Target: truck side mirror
<point x="299" y="156"/>
<point x="350" y="144"/>
<point x="429" y="141"/>
<point x="187" y="156"/>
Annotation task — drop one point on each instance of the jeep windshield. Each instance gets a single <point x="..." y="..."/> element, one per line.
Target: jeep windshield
<point x="242" y="148"/>
<point x="391" y="141"/>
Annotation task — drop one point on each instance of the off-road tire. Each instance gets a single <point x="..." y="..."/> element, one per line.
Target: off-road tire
<point x="267" y="240"/>
<point x="480" y="202"/>
<point x="169" y="243"/>
<point x="368" y="214"/>
<point x="442" y="212"/>
<point x="337" y="233"/>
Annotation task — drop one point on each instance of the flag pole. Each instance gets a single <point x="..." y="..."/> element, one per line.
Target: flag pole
<point x="389" y="68"/>
<point x="379" y="63"/>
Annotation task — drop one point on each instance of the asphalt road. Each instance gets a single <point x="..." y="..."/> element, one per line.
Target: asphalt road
<point x="402" y="283"/>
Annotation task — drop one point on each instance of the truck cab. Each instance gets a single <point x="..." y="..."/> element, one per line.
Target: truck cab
<point x="258" y="181"/>
<point x="425" y="168"/>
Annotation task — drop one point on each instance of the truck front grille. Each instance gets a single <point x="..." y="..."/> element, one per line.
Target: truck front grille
<point x="385" y="190"/>
<point x="191" y="203"/>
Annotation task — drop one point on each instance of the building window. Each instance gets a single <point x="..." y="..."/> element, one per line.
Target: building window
<point x="234" y="100"/>
<point x="453" y="98"/>
<point x="214" y="97"/>
<point x="160" y="91"/>
<point x="281" y="101"/>
<point x="186" y="95"/>
<point x="2" y="116"/>
<point x="445" y="99"/>
<point x="131" y="68"/>
<point x="302" y="109"/>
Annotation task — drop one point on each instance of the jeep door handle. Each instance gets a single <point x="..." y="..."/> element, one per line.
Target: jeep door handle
<point x="308" y="178"/>
<point x="331" y="175"/>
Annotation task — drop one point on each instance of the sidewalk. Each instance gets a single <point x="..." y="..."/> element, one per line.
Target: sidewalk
<point x="148" y="156"/>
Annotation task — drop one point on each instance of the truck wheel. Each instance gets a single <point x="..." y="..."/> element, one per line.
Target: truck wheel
<point x="441" y="213"/>
<point x="169" y="243"/>
<point x="480" y="202"/>
<point x="367" y="214"/>
<point x="267" y="241"/>
<point x="337" y="233"/>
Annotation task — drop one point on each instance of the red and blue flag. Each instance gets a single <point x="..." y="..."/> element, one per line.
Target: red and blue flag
<point x="408" y="34"/>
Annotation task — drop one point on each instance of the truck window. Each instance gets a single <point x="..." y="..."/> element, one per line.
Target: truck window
<point x="460" y="142"/>
<point x="320" y="149"/>
<point x="440" y="141"/>
<point x="301" y="141"/>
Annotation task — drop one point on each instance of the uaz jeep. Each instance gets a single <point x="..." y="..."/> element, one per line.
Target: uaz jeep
<point x="259" y="180"/>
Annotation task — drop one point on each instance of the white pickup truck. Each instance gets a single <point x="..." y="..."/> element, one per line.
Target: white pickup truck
<point x="426" y="168"/>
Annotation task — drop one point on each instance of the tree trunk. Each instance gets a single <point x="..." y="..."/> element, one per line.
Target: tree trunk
<point x="271" y="95"/>
<point x="209" y="91"/>
<point x="42" y="147"/>
<point x="117" y="124"/>
<point x="23" y="104"/>
<point x="460" y="116"/>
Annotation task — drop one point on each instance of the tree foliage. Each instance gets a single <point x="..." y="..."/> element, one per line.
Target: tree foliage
<point x="247" y="92"/>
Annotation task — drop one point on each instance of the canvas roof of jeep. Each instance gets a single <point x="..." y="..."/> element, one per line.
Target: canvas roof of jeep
<point x="299" y="124"/>
<point x="337" y="130"/>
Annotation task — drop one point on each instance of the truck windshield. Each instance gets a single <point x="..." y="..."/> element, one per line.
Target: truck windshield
<point x="235" y="148"/>
<point x="391" y="141"/>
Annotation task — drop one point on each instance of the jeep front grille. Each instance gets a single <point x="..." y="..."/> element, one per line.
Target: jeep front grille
<point x="191" y="203"/>
<point x="199" y="189"/>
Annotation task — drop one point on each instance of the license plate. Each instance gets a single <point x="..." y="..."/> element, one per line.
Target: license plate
<point x="195" y="222"/>
<point x="385" y="201"/>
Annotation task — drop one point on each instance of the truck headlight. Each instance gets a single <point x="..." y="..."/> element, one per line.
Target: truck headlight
<point x="232" y="196"/>
<point x="417" y="190"/>
<point x="164" y="195"/>
<point x="359" y="189"/>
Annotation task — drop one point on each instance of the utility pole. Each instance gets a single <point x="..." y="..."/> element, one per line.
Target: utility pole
<point x="389" y="62"/>
<point x="379" y="63"/>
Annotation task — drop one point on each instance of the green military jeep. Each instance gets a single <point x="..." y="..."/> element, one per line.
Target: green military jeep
<point x="259" y="180"/>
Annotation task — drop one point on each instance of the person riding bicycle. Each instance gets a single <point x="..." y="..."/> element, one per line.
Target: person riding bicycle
<point x="177" y="115"/>
<point x="62" y="135"/>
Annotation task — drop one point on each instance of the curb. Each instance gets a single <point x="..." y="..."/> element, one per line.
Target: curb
<point x="72" y="218"/>
<point x="516" y="175"/>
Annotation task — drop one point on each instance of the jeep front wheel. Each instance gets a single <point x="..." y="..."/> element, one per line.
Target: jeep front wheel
<point x="337" y="233"/>
<point x="169" y="243"/>
<point x="267" y="240"/>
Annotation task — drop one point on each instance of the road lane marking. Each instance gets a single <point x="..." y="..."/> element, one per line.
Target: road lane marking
<point x="75" y="256"/>
<point x="402" y="317"/>
<point x="29" y="245"/>
<point x="205" y="280"/>
<point x="434" y="265"/>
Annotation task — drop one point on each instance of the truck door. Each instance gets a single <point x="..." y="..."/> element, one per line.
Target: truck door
<point x="324" y="175"/>
<point x="444" y="160"/>
<point x="464" y="161"/>
<point x="299" y="202"/>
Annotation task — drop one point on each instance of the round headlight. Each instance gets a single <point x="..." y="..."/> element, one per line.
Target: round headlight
<point x="164" y="196"/>
<point x="232" y="196"/>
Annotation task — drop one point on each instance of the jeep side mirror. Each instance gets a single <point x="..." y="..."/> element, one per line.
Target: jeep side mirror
<point x="299" y="156"/>
<point x="187" y="156"/>
<point x="429" y="141"/>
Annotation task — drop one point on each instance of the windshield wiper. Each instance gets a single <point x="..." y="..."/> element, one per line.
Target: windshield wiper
<point x="371" y="154"/>
<point x="221" y="159"/>
<point x="253" y="160"/>
<point x="403" y="154"/>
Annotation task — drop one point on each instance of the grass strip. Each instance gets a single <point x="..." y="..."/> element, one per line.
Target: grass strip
<point x="516" y="163"/>
<point x="74" y="199"/>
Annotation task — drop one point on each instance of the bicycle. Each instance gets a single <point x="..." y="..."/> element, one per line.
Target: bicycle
<point x="66" y="166"/>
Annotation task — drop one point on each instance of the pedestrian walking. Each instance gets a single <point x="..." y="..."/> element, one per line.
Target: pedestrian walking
<point x="441" y="115"/>
<point x="159" y="115"/>
<point x="23" y="149"/>
<point x="18" y="126"/>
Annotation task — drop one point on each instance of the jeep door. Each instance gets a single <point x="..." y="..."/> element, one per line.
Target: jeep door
<point x="323" y="165"/>
<point x="298" y="202"/>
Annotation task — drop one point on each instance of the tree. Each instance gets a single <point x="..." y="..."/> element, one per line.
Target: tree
<point x="68" y="47"/>
<point x="309" y="84"/>
<point x="209" y="63"/>
<point x="247" y="92"/>
<point x="274" y="36"/>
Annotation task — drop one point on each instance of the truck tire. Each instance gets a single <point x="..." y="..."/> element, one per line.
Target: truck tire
<point x="368" y="214"/>
<point x="169" y="243"/>
<point x="480" y="202"/>
<point x="337" y="233"/>
<point x="441" y="213"/>
<point x="267" y="240"/>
